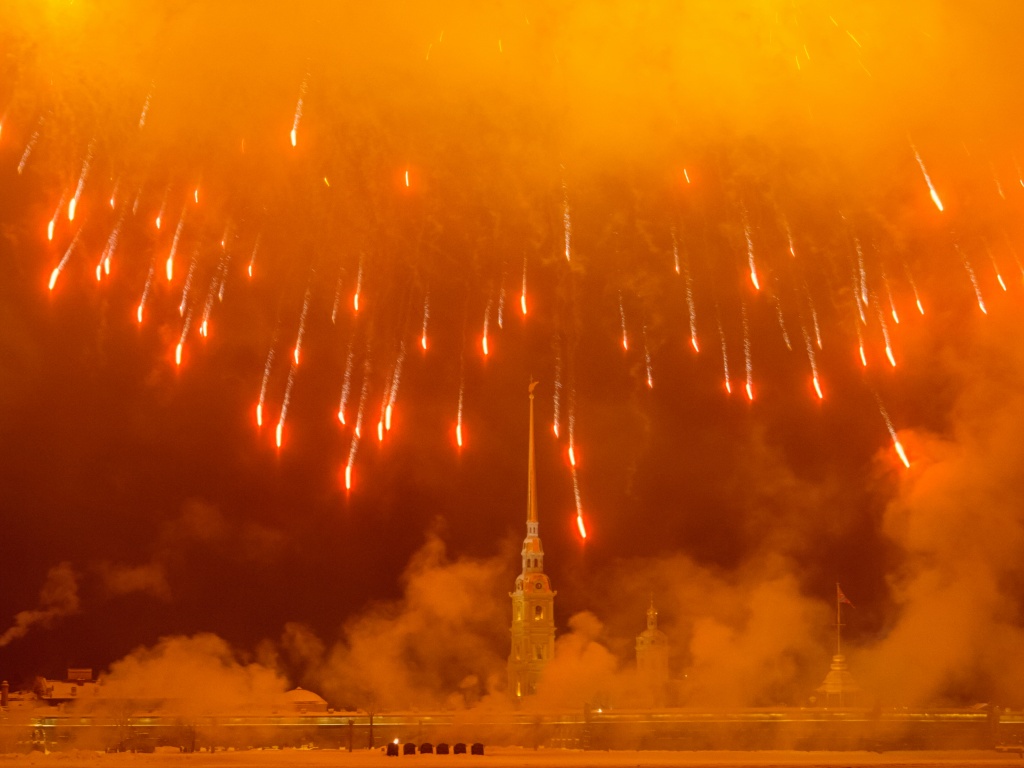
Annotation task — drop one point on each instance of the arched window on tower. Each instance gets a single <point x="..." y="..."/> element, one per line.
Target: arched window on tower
<point x="538" y="612"/>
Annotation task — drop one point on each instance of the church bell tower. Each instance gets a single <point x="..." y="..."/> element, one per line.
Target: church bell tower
<point x="533" y="601"/>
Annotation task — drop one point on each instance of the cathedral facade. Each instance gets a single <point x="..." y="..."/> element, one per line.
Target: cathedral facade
<point x="533" y="601"/>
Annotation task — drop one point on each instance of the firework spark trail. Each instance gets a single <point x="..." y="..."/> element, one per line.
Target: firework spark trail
<point x="892" y="431"/>
<point x="358" y="432"/>
<point x="337" y="300"/>
<point x="252" y="258"/>
<point x="113" y="193"/>
<point x="73" y="205"/>
<point x="691" y="304"/>
<point x="392" y="394"/>
<point x="580" y="525"/>
<point x="188" y="283"/>
<point x="298" y="110"/>
<point x="462" y="393"/>
<point x="814" y="315"/>
<point x="108" y="251"/>
<point x="63" y="262"/>
<point x="557" y="396"/>
<point x="501" y="303"/>
<point x="885" y="335"/>
<point x="51" y="225"/>
<point x="860" y="346"/>
<point x="812" y="359"/>
<point x="359" y="284"/>
<point x="622" y="318"/>
<point x="29" y="147"/>
<point x="223" y="276"/>
<point x="204" y="326"/>
<point x="675" y="250"/>
<point x="857" y="299"/>
<point x="995" y="267"/>
<point x="647" y="360"/>
<point x="782" y="323"/>
<point x="746" y="354"/>
<point x="169" y="266"/>
<point x="974" y="279"/>
<point x="145" y="107"/>
<point x="913" y="287"/>
<point x="346" y="384"/>
<point x="750" y="253"/>
<point x="487" y="320"/>
<point x="789" y="237"/>
<point x="862" y="274"/>
<point x="572" y="431"/>
<point x="522" y="296"/>
<point x="163" y="208"/>
<point x="302" y="327"/>
<point x="927" y="178"/>
<point x="426" y="319"/>
<point x="566" y="221"/>
<point x="284" y="404"/>
<point x="892" y="301"/>
<point x="181" y="340"/>
<point x="725" y="355"/>
<point x="145" y="293"/>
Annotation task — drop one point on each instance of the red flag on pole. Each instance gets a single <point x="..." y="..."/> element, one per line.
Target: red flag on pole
<point x="841" y="597"/>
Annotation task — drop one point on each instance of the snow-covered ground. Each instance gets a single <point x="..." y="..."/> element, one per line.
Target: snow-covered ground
<point x="510" y="757"/>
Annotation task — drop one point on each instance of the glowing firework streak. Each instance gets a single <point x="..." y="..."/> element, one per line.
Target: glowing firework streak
<point x="169" y="265"/>
<point x="622" y="317"/>
<point x="188" y="284"/>
<point x="29" y="147"/>
<point x="725" y="357"/>
<point x="81" y="183"/>
<point x="487" y="320"/>
<point x="675" y="250"/>
<point x="426" y="319"/>
<point x="284" y="405"/>
<point x="746" y="355"/>
<point x="566" y="221"/>
<point x="691" y="303"/>
<point x="113" y="193"/>
<point x="302" y="328"/>
<point x="359" y="285"/>
<point x="580" y="526"/>
<point x="298" y="115"/>
<point x="750" y="255"/>
<point x="163" y="207"/>
<point x="647" y="359"/>
<point x="392" y="394"/>
<point x="861" y="274"/>
<point x="145" y="108"/>
<point x="56" y="214"/>
<point x="860" y="346"/>
<point x="104" y="263"/>
<point x="995" y="267"/>
<point x="885" y="336"/>
<point x="892" y="432"/>
<point x="974" y="280"/>
<point x="346" y="384"/>
<point x="263" y="386"/>
<point x="892" y="302"/>
<point x="458" y="420"/>
<point x="63" y="262"/>
<point x="204" y="326"/>
<point x="252" y="259"/>
<point x="181" y="340"/>
<point x="927" y="178"/>
<point x="782" y="324"/>
<point x="557" y="397"/>
<point x="522" y="296"/>
<point x="145" y="294"/>
<point x="337" y="299"/>
<point x="813" y="361"/>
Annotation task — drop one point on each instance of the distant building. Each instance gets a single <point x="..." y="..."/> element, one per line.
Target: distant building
<point x="652" y="660"/>
<point x="533" y="601"/>
<point x="301" y="700"/>
<point x="78" y="685"/>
